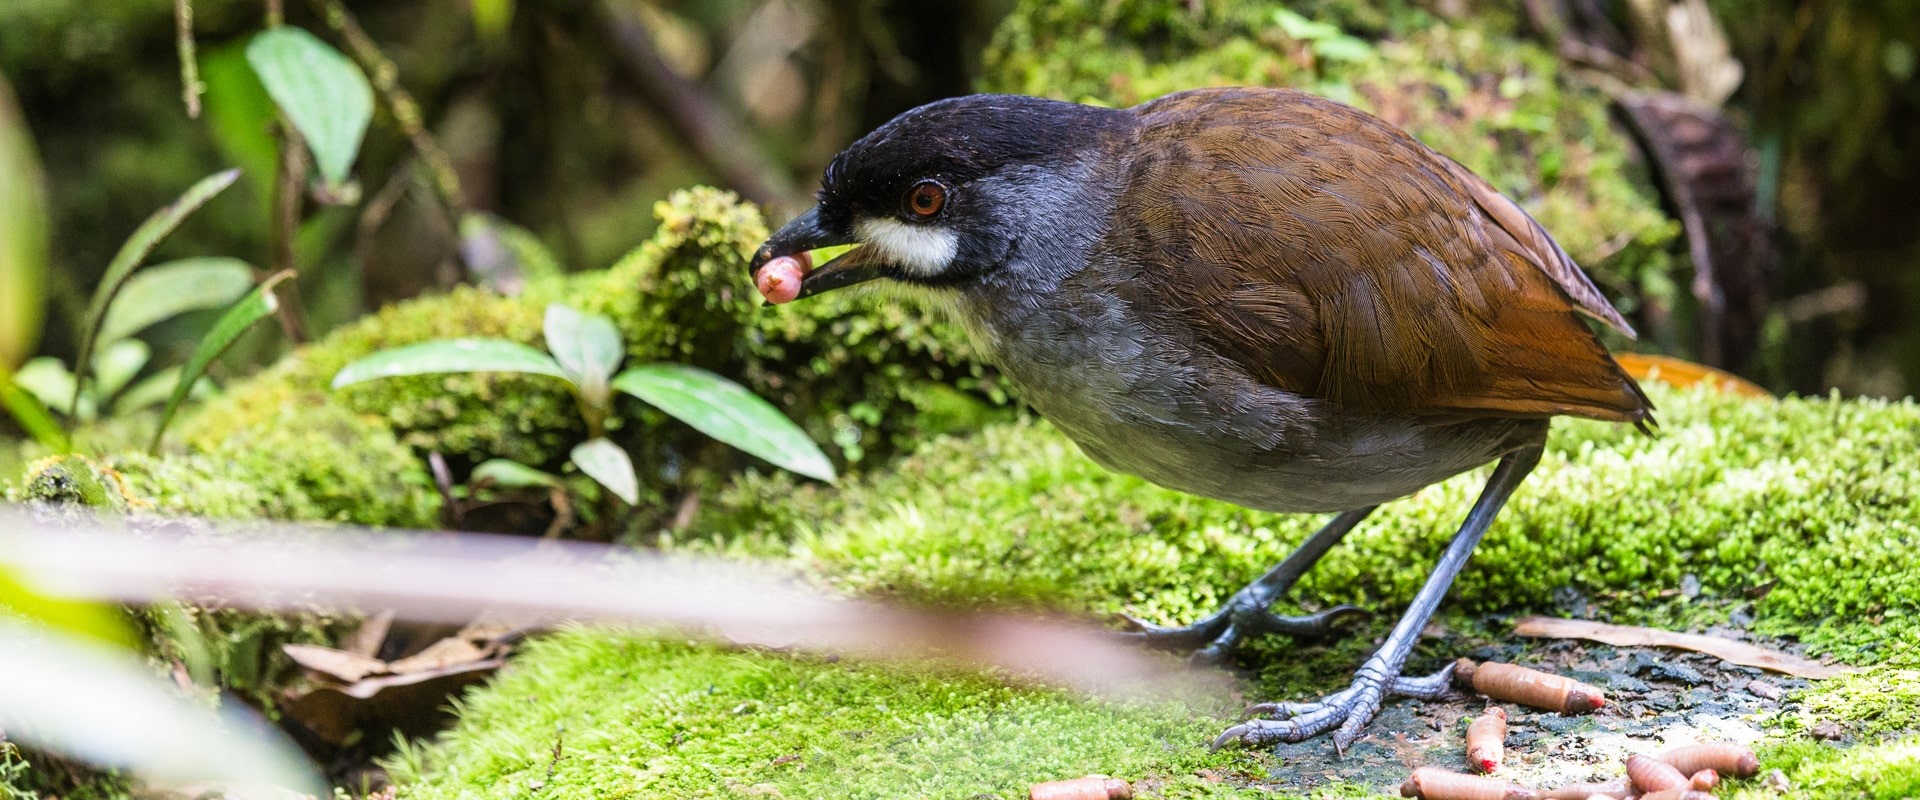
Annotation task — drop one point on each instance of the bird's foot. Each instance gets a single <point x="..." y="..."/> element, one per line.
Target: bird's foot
<point x="1344" y="712"/>
<point x="1211" y="639"/>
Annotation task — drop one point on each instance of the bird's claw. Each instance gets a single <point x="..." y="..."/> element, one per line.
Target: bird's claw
<point x="1211" y="639"/>
<point x="1345" y="712"/>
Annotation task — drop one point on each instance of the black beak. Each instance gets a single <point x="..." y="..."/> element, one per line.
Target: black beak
<point x="806" y="233"/>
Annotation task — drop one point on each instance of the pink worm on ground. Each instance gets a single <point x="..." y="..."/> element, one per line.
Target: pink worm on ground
<point x="779" y="280"/>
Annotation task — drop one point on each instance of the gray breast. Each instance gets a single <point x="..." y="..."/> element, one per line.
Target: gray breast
<point x="1137" y="401"/>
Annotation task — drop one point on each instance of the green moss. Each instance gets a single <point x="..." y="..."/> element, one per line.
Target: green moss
<point x="1887" y="770"/>
<point x="1472" y="90"/>
<point x="676" y="720"/>
<point x="1814" y="496"/>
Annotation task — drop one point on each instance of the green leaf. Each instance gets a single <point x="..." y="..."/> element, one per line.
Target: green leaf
<point x="23" y="236"/>
<point x="21" y="600"/>
<point x="726" y="411"/>
<point x="62" y="695"/>
<point x="251" y="309"/>
<point x="605" y="462"/>
<point x="135" y="250"/>
<point x="509" y="474"/>
<point x="32" y="415"/>
<point x="1301" y="29"/>
<point x="1343" y="48"/>
<point x="324" y="95"/>
<point x="176" y="287"/>
<point x="492" y="19"/>
<point x="47" y="379"/>
<point x="450" y="355"/>
<point x="116" y="365"/>
<point x="587" y="346"/>
<point x="156" y="388"/>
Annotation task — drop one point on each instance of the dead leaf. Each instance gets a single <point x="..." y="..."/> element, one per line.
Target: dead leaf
<point x="449" y="652"/>
<point x="339" y="665"/>
<point x="372" y="633"/>
<point x="411" y="703"/>
<point x="1634" y="636"/>
<point x="1683" y="374"/>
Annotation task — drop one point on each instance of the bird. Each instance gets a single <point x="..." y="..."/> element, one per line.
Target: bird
<point x="1256" y="295"/>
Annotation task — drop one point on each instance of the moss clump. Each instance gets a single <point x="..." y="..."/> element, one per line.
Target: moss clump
<point x="1813" y="496"/>
<point x="854" y="371"/>
<point x="1474" y="91"/>
<point x="678" y="720"/>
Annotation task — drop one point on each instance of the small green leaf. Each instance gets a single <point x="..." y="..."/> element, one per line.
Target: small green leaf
<point x="1343" y="48"/>
<point x="605" y="462"/>
<point x="47" y="379"/>
<point x="509" y="474"/>
<point x="324" y="94"/>
<point x="587" y="347"/>
<point x="450" y="355"/>
<point x="156" y="388"/>
<point x="726" y="411"/>
<point x="1301" y="29"/>
<point x="176" y="287"/>
<point x="135" y="250"/>
<point x="116" y="365"/>
<point x="251" y="309"/>
<point x="32" y="415"/>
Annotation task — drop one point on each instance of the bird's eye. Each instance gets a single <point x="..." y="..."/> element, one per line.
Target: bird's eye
<point x="926" y="198"/>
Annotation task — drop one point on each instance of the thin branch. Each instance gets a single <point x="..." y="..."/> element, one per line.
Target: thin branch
<point x="190" y="86"/>
<point x="406" y="112"/>
<point x="276" y="15"/>
<point x="289" y="180"/>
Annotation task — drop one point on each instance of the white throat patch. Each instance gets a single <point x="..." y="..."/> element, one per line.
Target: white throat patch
<point x="923" y="250"/>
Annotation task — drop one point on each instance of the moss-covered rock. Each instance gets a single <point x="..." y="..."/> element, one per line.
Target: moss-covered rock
<point x="1472" y="89"/>
<point x="1813" y="498"/>
<point x="860" y="371"/>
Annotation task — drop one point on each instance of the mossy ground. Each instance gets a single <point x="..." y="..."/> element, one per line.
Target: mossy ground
<point x="1816" y="499"/>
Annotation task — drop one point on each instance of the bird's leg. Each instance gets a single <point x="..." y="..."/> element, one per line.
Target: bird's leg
<point x="1351" y="708"/>
<point x="1246" y="614"/>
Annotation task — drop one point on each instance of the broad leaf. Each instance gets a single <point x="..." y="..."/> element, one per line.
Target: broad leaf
<point x="251" y="309"/>
<point x="176" y="287"/>
<point x="21" y="599"/>
<point x="135" y="250"/>
<point x="726" y="411"/>
<point x="47" y="379"/>
<point x="605" y="462"/>
<point x="106" y="707"/>
<point x="324" y="94"/>
<point x="509" y="474"/>
<point x="587" y="347"/>
<point x="450" y="355"/>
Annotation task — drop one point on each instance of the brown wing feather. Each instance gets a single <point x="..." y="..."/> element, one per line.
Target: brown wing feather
<point x="1331" y="255"/>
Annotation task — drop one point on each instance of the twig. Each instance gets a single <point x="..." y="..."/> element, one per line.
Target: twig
<point x="288" y="180"/>
<point x="711" y="133"/>
<point x="190" y="86"/>
<point x="276" y="15"/>
<point x="406" y="112"/>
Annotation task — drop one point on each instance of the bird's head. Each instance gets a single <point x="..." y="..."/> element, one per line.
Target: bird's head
<point x="939" y="196"/>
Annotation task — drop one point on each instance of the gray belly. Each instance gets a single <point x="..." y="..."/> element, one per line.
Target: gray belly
<point x="1137" y="403"/>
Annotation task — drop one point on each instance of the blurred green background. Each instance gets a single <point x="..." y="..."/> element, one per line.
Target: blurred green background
<point x="569" y="118"/>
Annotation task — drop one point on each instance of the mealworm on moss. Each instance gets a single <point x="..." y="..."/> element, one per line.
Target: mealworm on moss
<point x="1091" y="787"/>
<point x="1725" y="758"/>
<point x="1486" y="740"/>
<point x="1432" y="783"/>
<point x="1650" y="774"/>
<point x="1529" y="687"/>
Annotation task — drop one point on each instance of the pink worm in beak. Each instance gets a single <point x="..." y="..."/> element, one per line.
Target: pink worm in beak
<point x="779" y="280"/>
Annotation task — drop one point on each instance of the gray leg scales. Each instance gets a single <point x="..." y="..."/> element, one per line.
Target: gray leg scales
<point x="1346" y="713"/>
<point x="1213" y="638"/>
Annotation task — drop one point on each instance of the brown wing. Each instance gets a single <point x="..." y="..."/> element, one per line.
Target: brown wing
<point x="1331" y="255"/>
